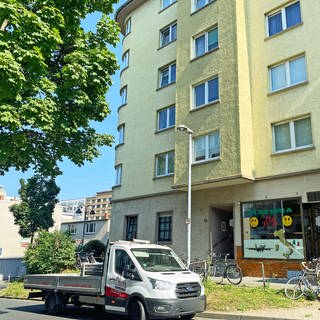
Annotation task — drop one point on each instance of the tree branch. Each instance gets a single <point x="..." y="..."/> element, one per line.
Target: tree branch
<point x="4" y="25"/>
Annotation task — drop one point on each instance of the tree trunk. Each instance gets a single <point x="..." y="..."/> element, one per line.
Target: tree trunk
<point x="4" y="25"/>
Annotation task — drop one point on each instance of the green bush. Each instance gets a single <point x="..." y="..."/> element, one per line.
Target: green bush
<point x="95" y="245"/>
<point x="50" y="253"/>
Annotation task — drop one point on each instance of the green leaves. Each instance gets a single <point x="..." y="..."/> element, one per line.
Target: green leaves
<point x="54" y="78"/>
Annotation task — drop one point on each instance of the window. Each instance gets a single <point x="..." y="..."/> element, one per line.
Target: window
<point x="288" y="74"/>
<point x="198" y="4"/>
<point x="118" y="174"/>
<point x="125" y="59"/>
<point x="166" y="3"/>
<point x="123" y="95"/>
<point x="168" y="34"/>
<point x="131" y="228"/>
<point x="206" y="42"/>
<point x="121" y="134"/>
<point x="206" y="92"/>
<point x="72" y="228"/>
<point x="122" y="260"/>
<point x="164" y="227"/>
<point x="166" y="118"/>
<point x="128" y="27"/>
<point x="283" y="19"/>
<point x="165" y="164"/>
<point x="91" y="227"/>
<point x="292" y="135"/>
<point x="273" y="229"/>
<point x="168" y="75"/>
<point x="207" y="147"/>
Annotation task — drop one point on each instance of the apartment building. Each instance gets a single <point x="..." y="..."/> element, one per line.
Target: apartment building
<point x="99" y="206"/>
<point x="243" y="76"/>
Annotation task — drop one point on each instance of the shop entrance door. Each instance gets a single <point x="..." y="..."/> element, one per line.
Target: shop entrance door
<point x="221" y="230"/>
<point x="312" y="230"/>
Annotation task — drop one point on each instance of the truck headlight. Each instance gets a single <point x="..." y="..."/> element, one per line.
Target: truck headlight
<point x="161" y="285"/>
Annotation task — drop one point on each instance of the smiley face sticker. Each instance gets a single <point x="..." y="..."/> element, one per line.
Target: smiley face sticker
<point x="254" y="221"/>
<point x="287" y="221"/>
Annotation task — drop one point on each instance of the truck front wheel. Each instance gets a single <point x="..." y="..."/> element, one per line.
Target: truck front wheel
<point x="52" y="306"/>
<point x="137" y="311"/>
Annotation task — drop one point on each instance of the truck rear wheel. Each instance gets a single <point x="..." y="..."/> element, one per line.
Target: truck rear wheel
<point x="137" y="311"/>
<point x="52" y="306"/>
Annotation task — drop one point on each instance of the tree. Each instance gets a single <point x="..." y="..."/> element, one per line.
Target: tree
<point x="54" y="77"/>
<point x="50" y="253"/>
<point x="34" y="212"/>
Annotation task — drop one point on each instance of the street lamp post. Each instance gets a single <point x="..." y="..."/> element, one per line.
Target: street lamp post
<point x="184" y="128"/>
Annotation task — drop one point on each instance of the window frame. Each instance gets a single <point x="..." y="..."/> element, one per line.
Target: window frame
<point x="127" y="26"/>
<point x="167" y="173"/>
<point x="118" y="177"/>
<point x="168" y="126"/>
<point x="207" y="147"/>
<point x="88" y="228"/>
<point x="162" y="6"/>
<point x="72" y="229"/>
<point x="125" y="59"/>
<point x="292" y="135"/>
<point x="168" y="67"/>
<point x="164" y="215"/>
<point x="282" y="11"/>
<point x="195" y="8"/>
<point x="206" y="96"/>
<point x="206" y="34"/>
<point x="124" y="95"/>
<point x="171" y="39"/>
<point x="286" y="65"/>
<point x="128" y="220"/>
<point x="121" y="133"/>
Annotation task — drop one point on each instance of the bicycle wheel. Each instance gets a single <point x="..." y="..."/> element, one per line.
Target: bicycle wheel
<point x="217" y="273"/>
<point x="234" y="274"/>
<point x="295" y="288"/>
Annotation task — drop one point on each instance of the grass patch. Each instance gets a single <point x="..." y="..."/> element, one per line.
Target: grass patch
<point x="223" y="297"/>
<point x="15" y="290"/>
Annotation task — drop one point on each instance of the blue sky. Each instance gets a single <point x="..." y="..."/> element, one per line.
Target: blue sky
<point x="78" y="182"/>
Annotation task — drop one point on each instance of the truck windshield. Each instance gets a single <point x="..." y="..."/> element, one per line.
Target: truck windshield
<point x="158" y="260"/>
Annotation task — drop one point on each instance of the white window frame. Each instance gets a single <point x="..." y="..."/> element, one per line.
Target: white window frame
<point x="206" y="93"/>
<point x="283" y="18"/>
<point x="167" y="173"/>
<point x="206" y="50"/>
<point x="292" y="136"/>
<point x="121" y="129"/>
<point x="118" y="177"/>
<point x="194" y="4"/>
<point x="162" y="6"/>
<point x="171" y="39"/>
<point x="124" y="95"/>
<point x="167" y="109"/>
<point x="207" y="158"/>
<point x="168" y="69"/>
<point x="125" y="59"/>
<point x="72" y="228"/>
<point x="287" y="71"/>
<point x="90" y="227"/>
<point x="127" y="27"/>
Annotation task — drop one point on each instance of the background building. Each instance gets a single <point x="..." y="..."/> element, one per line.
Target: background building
<point x="73" y="209"/>
<point x="99" y="206"/>
<point x="235" y="73"/>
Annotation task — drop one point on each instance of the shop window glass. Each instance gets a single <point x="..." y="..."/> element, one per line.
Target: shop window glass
<point x="272" y="230"/>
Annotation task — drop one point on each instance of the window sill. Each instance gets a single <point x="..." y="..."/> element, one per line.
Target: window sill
<point x="279" y="153"/>
<point x="205" y="54"/>
<point x="121" y="106"/>
<point x="167" y="85"/>
<point x="125" y="68"/>
<point x="165" y="8"/>
<point x="90" y="233"/>
<point x="197" y="10"/>
<point x="167" y="44"/>
<point x="164" y="242"/>
<point x="164" y="176"/>
<point x="288" y="88"/>
<point x="118" y="145"/>
<point x="205" y="105"/>
<point x="283" y="31"/>
<point x="163" y="130"/>
<point x="205" y="161"/>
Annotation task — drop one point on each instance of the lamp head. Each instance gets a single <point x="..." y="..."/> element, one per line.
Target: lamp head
<point x="184" y="128"/>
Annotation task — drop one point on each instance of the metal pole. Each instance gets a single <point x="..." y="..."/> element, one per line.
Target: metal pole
<point x="189" y="202"/>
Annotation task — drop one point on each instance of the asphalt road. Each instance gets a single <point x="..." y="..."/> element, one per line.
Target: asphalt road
<point x="33" y="310"/>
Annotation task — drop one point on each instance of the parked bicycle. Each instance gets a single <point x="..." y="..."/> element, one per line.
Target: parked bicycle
<point x="305" y="284"/>
<point x="84" y="257"/>
<point x="200" y="267"/>
<point x="222" y="268"/>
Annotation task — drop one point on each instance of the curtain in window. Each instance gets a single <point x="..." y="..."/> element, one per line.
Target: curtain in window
<point x="200" y="45"/>
<point x="213" y="88"/>
<point x="214" y="145"/>
<point x="174" y="32"/>
<point x="161" y="165"/>
<point x="173" y="73"/>
<point x="165" y="36"/>
<point x="302" y="131"/>
<point x="164" y="77"/>
<point x="172" y="116"/>
<point x="298" y="70"/>
<point x="199" y="95"/>
<point x="278" y="77"/>
<point x="200" y="149"/>
<point x="282" y="137"/>
<point x="162" y="119"/>
<point x="170" y="162"/>
<point x="275" y="23"/>
<point x="212" y="39"/>
<point x="293" y="15"/>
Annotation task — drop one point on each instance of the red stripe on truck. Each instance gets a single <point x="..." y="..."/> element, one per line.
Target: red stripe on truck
<point x="114" y="293"/>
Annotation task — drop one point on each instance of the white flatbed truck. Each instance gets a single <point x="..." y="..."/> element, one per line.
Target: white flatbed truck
<point x="138" y="279"/>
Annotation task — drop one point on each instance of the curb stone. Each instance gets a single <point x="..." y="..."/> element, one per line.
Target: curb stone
<point x="230" y="316"/>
